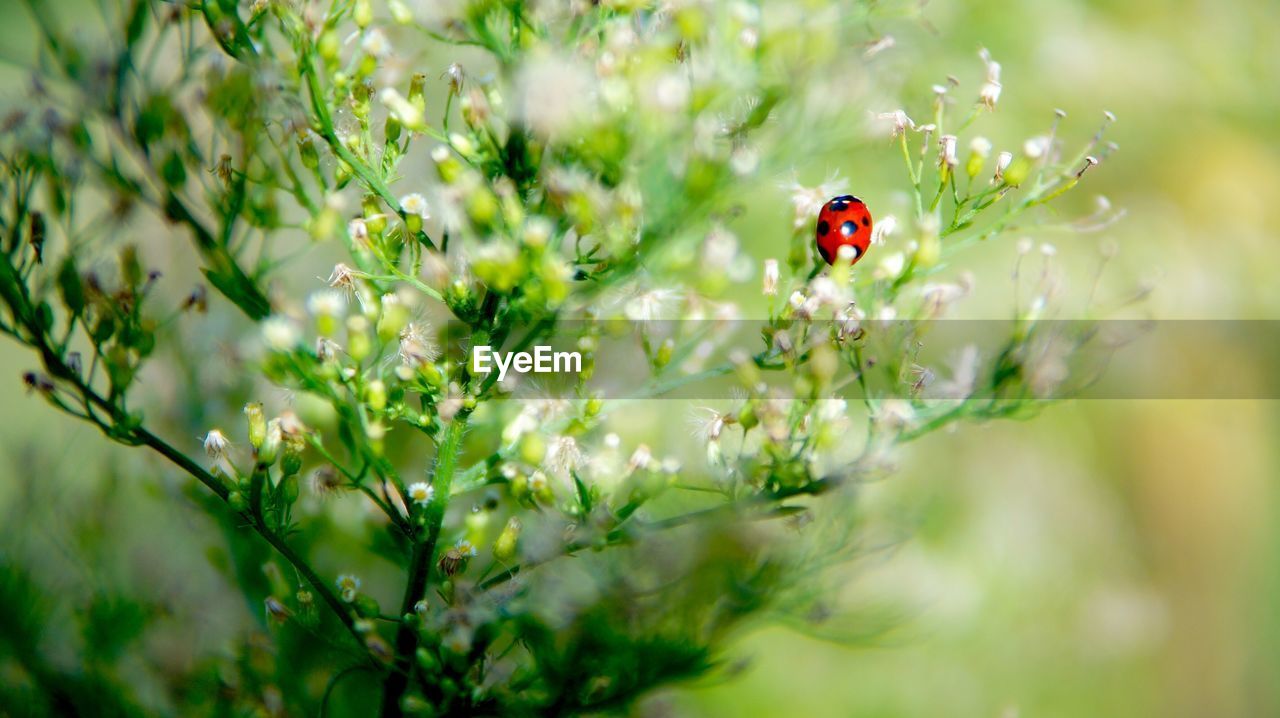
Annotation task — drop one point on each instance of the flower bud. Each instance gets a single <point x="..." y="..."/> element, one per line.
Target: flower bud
<point x="504" y="549"/>
<point x="267" y="453"/>
<point x="257" y="424"/>
<point x="979" y="150"/>
<point x="375" y="395"/>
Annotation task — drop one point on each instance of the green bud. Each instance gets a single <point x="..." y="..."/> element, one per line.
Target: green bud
<point x="374" y="218"/>
<point x="358" y="344"/>
<point x="665" y="351"/>
<point x="375" y="395"/>
<point x="532" y="449"/>
<point x="269" y="450"/>
<point x="1017" y="172"/>
<point x="289" y="484"/>
<point x="362" y="13"/>
<point x="237" y="501"/>
<point x="329" y="45"/>
<point x="257" y="424"/>
<point x="70" y="286"/>
<point x="504" y="549"/>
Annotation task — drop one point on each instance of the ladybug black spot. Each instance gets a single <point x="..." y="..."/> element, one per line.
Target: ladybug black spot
<point x="866" y="221"/>
<point x="823" y="251"/>
<point x="838" y="205"/>
<point x="857" y="251"/>
<point x="848" y="228"/>
<point x="823" y="227"/>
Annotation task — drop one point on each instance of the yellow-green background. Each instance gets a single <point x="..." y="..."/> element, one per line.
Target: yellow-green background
<point x="1108" y="558"/>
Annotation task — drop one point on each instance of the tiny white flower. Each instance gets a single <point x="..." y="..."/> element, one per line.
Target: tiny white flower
<point x="899" y="120"/>
<point x="465" y="548"/>
<point x="563" y="455"/>
<point x="640" y="458"/>
<point x="989" y="94"/>
<point x="883" y="229"/>
<point x="216" y="444"/>
<point x="879" y="46"/>
<point x="280" y="333"/>
<point x="1036" y="147"/>
<point x="894" y="414"/>
<point x="405" y="112"/>
<point x="421" y="493"/>
<point x="416" y="346"/>
<point x="947" y="151"/>
<point x="980" y="146"/>
<point x="891" y="266"/>
<point x="1048" y="250"/>
<point x="770" y="277"/>
<point x="650" y="305"/>
<point x="415" y="204"/>
<point x="348" y="587"/>
<point x="1025" y="245"/>
<point x="358" y="231"/>
<point x="375" y="43"/>
<point x="1002" y="164"/>
<point x="326" y="303"/>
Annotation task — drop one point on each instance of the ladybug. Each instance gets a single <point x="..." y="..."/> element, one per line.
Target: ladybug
<point x="843" y="220"/>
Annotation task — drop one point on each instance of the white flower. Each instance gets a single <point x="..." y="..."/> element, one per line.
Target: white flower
<point x="894" y="414"/>
<point x="650" y="305"/>
<point x="640" y="458"/>
<point x="375" y="43"/>
<point x="989" y="94"/>
<point x="671" y="92"/>
<point x="1036" y="147"/>
<point x="1048" y="250"/>
<point x="215" y="444"/>
<point x="1002" y="164"/>
<point x="770" y="277"/>
<point x="415" y="204"/>
<point x="326" y="303"/>
<point x="826" y="292"/>
<point x="883" y="229"/>
<point x="1025" y="245"/>
<point x="280" y="333"/>
<point x="358" y="231"/>
<point x="980" y="146"/>
<point x="879" y="46"/>
<point x="416" y="347"/>
<point x="524" y="422"/>
<point x="348" y="586"/>
<point x="900" y="122"/>
<point x="964" y="375"/>
<point x="891" y="266"/>
<point x="421" y="493"/>
<point x="563" y="455"/>
<point x="947" y="153"/>
<point x="708" y="424"/>
<point x="406" y="113"/>
<point x="807" y="201"/>
<point x="465" y="548"/>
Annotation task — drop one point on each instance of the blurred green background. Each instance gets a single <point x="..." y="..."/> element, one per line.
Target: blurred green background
<point x="1108" y="558"/>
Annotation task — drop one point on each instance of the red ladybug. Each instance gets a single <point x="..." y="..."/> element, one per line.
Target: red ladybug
<point x="843" y="220"/>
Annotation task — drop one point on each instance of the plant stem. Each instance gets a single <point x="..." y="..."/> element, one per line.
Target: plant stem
<point x="420" y="564"/>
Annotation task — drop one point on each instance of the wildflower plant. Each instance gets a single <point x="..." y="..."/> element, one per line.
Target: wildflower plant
<point x="566" y="167"/>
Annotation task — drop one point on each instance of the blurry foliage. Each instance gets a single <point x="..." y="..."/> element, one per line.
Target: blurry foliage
<point x="589" y="162"/>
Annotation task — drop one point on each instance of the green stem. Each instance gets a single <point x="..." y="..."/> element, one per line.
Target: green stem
<point x="420" y="564"/>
